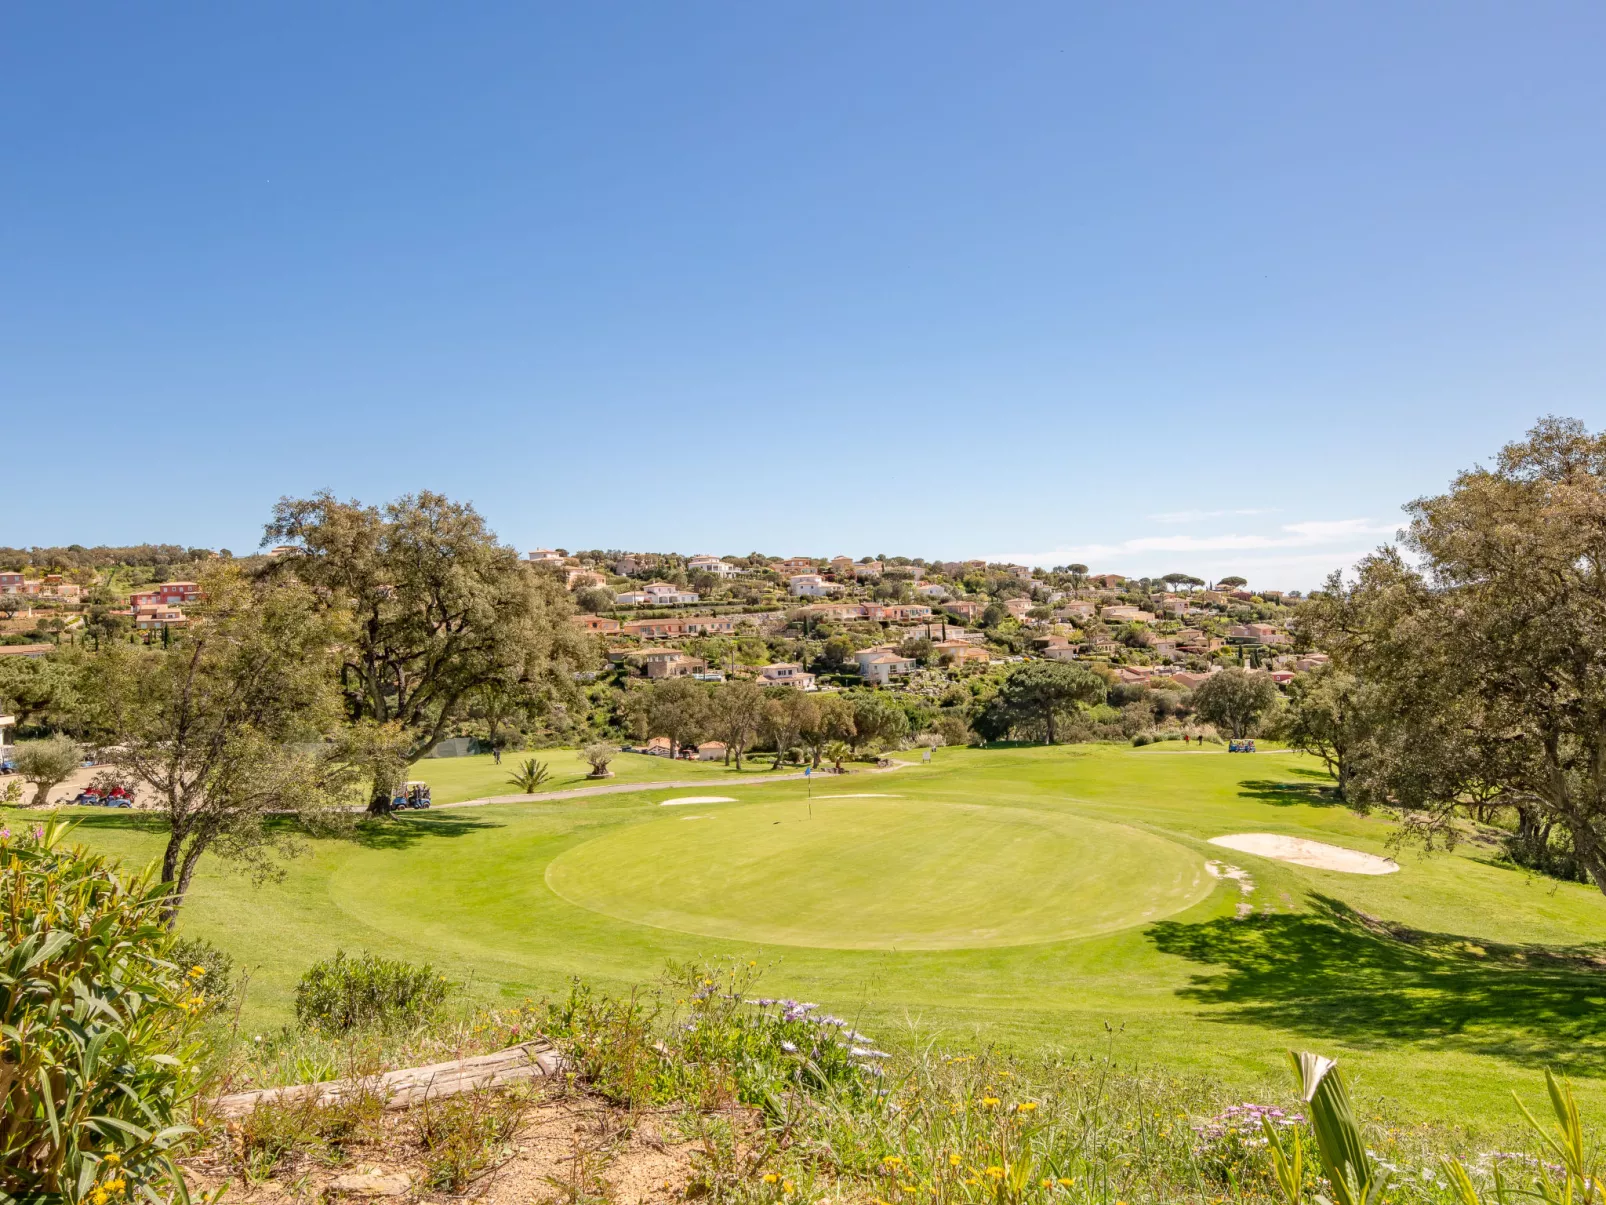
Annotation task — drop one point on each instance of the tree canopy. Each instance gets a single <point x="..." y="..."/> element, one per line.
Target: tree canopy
<point x="440" y="611"/>
<point x="1041" y="693"/>
<point x="1486" y="660"/>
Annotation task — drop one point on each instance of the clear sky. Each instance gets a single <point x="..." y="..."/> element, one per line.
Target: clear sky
<point x="1194" y="287"/>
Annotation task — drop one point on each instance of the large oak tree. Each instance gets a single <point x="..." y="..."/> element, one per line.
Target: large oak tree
<point x="440" y="611"/>
<point x="1486" y="658"/>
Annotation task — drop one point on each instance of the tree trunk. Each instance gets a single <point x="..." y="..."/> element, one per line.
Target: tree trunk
<point x="1050" y="718"/>
<point x="379" y="799"/>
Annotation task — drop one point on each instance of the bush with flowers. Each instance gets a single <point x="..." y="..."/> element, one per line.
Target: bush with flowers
<point x="97" y="1028"/>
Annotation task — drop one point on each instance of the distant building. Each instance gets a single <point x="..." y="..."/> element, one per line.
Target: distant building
<point x="785" y="674"/>
<point x="169" y="594"/>
<point x="711" y="564"/>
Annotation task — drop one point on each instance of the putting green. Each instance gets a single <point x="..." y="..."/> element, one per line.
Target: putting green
<point x="881" y="874"/>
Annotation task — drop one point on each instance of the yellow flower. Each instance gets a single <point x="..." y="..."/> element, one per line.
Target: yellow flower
<point x="989" y="1101"/>
<point x="197" y="972"/>
<point x="997" y="1173"/>
<point x="972" y="1182"/>
<point x="953" y="1160"/>
<point x="99" y="1196"/>
<point x="1048" y="1184"/>
<point x="788" y="1186"/>
<point x="1067" y="1181"/>
<point x="112" y="1160"/>
<point x="1026" y="1106"/>
<point x="892" y="1160"/>
<point x="771" y="1178"/>
<point x="116" y="1185"/>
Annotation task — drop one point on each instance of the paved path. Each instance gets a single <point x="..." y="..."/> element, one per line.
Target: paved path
<point x="621" y="788"/>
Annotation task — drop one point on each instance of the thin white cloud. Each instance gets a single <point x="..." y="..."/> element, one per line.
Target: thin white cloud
<point x="1198" y="516"/>
<point x="1293" y="554"/>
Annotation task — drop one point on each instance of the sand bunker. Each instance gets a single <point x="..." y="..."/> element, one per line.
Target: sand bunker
<point x="670" y="803"/>
<point x="1301" y="852"/>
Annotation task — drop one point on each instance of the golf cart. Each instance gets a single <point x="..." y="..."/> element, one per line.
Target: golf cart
<point x="414" y="796"/>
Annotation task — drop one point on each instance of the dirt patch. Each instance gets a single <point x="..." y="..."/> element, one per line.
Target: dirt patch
<point x="1302" y="852"/>
<point x="568" y="1147"/>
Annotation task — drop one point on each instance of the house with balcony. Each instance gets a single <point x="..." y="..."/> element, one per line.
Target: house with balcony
<point x="787" y="674"/>
<point x="811" y="585"/>
<point x="705" y="563"/>
<point x="657" y="594"/>
<point x="168" y="594"/>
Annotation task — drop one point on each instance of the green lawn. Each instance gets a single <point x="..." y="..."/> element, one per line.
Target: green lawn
<point x="454" y="779"/>
<point x="1036" y="897"/>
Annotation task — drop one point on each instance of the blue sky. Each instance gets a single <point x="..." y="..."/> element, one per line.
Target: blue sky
<point x="1206" y="288"/>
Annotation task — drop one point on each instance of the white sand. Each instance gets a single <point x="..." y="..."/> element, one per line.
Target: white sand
<point x="1301" y="852"/>
<point x="672" y="803"/>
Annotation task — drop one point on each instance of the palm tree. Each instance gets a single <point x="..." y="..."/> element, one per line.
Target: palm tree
<point x="528" y="777"/>
<point x="837" y="752"/>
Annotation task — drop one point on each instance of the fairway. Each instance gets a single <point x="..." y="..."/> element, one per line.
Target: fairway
<point x="1031" y="897"/>
<point x="884" y="874"/>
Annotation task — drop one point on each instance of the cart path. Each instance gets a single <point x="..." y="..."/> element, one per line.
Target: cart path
<point x="624" y="788"/>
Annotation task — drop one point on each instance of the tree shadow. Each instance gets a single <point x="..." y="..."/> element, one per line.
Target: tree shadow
<point x="406" y="831"/>
<point x="1288" y="794"/>
<point x="1340" y="974"/>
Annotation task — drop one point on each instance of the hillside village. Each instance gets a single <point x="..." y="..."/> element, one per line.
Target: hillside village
<point x="900" y="620"/>
<point x="933" y="638"/>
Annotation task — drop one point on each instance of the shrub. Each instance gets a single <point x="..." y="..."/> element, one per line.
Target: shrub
<point x="368" y="992"/>
<point x="215" y="981"/>
<point x="599" y="754"/>
<point x="92" y="1010"/>
<point x="47" y="764"/>
<point x="1142" y="738"/>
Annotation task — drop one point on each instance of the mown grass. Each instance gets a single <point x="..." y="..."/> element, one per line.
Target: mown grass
<point x="457" y="779"/>
<point x="1440" y="986"/>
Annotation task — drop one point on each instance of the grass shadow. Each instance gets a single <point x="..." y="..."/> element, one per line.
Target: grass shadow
<point x="1288" y="794"/>
<point x="1337" y="973"/>
<point x="406" y="831"/>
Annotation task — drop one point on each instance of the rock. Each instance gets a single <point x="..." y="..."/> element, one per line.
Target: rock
<point x="372" y="1184"/>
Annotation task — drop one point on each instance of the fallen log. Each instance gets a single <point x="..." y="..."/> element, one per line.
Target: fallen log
<point x="398" y="1089"/>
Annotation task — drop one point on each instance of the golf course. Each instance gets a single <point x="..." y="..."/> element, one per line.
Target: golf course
<point x="1064" y="898"/>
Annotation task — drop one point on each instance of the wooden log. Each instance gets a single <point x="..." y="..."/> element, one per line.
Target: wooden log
<point x="531" y="1060"/>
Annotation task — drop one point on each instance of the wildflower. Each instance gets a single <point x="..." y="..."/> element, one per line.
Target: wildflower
<point x="789" y="1047"/>
<point x="197" y="972"/>
<point x="1067" y="1181"/>
<point x="788" y="1186"/>
<point x="1047" y="1184"/>
<point x="989" y="1101"/>
<point x="112" y="1160"/>
<point x="954" y="1161"/>
<point x="99" y="1196"/>
<point x="892" y="1161"/>
<point x="996" y="1172"/>
<point x="771" y="1178"/>
<point x="1026" y="1106"/>
<point x="116" y="1185"/>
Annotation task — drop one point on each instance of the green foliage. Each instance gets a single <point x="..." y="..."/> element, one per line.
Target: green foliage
<point x="712" y="1045"/>
<point x="1235" y="699"/>
<point x="96" y="1050"/>
<point x="598" y="754"/>
<point x="368" y="992"/>
<point x="1039" y="697"/>
<point x="47" y="763"/>
<point x="530" y="775"/>
<point x="209" y="968"/>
